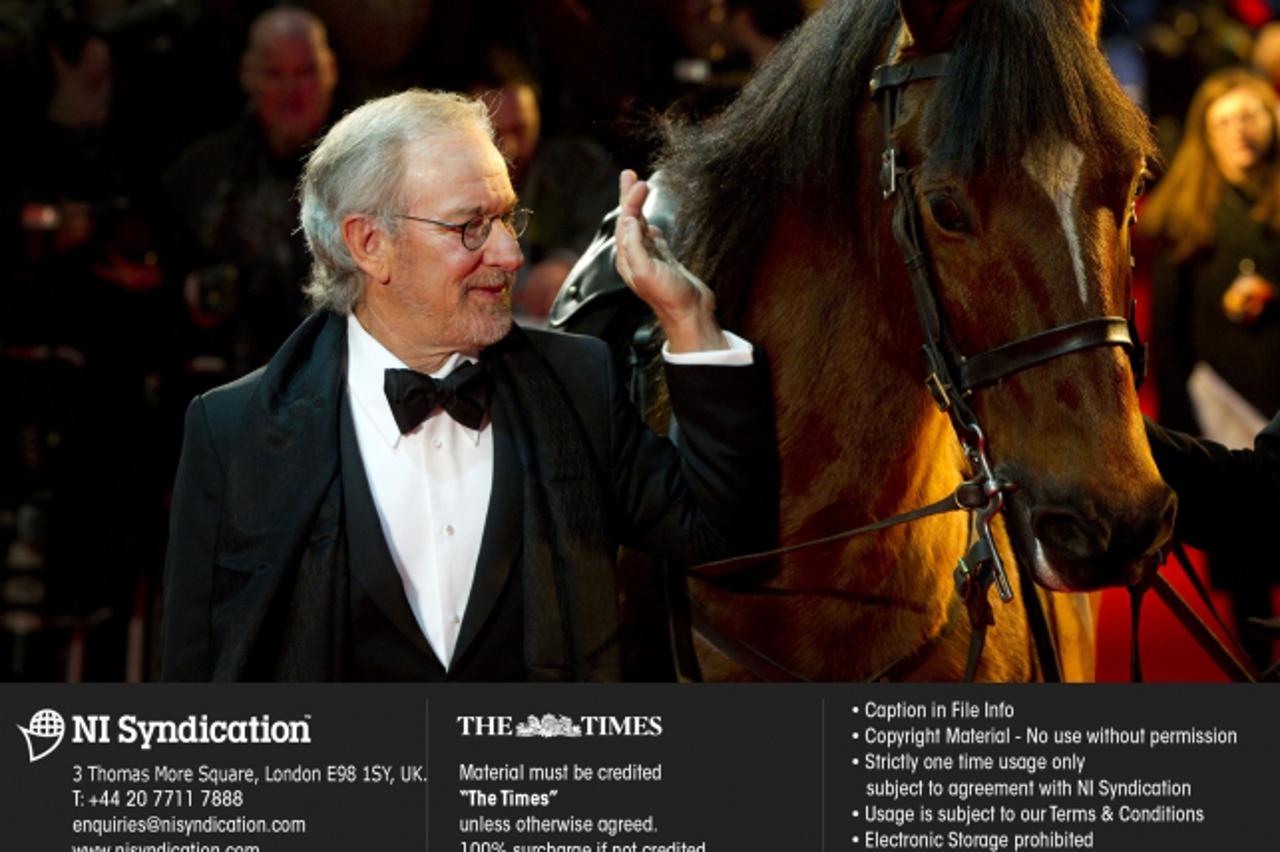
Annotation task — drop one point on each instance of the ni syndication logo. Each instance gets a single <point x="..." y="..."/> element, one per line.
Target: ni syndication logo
<point x="43" y="733"/>
<point x="47" y="727"/>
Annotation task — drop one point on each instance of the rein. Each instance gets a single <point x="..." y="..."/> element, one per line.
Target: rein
<point x="969" y="496"/>
<point x="1233" y="661"/>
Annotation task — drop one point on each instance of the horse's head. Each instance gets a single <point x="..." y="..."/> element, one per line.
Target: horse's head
<point x="1024" y="158"/>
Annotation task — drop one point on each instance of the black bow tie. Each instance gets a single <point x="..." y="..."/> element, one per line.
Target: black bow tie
<point x="463" y="394"/>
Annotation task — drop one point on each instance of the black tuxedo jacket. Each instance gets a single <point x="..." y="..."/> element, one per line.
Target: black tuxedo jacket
<point x="1228" y="500"/>
<point x="275" y="543"/>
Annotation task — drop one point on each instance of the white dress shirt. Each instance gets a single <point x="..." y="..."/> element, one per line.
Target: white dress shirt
<point x="431" y="488"/>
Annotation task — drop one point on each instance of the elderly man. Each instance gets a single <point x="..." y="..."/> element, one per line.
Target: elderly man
<point x="413" y="488"/>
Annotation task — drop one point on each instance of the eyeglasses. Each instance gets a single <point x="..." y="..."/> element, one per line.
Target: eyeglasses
<point x="475" y="232"/>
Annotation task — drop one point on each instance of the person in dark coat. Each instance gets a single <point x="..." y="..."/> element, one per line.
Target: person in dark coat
<point x="1228" y="503"/>
<point x="236" y="252"/>
<point x="1228" y="500"/>
<point x="415" y="489"/>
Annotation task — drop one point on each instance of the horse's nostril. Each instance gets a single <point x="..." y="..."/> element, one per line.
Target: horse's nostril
<point x="1069" y="536"/>
<point x="1083" y="544"/>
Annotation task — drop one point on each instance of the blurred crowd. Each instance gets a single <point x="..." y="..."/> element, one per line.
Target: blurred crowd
<point x="151" y="252"/>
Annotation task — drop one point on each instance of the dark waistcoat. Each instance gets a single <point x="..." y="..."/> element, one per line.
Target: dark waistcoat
<point x="386" y="643"/>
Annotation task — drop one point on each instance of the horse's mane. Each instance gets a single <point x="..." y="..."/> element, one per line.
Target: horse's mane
<point x="1021" y="71"/>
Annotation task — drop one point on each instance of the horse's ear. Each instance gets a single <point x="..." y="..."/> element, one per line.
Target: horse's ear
<point x="932" y="23"/>
<point x="1091" y="17"/>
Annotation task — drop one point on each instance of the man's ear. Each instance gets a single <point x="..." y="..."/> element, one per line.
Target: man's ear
<point x="370" y="246"/>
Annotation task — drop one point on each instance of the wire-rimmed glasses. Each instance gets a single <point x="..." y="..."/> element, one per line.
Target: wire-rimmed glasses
<point x="475" y="231"/>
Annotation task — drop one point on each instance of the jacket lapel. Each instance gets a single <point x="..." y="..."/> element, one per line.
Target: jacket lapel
<point x="500" y="544"/>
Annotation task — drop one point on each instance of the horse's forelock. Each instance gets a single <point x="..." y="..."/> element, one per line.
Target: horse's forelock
<point x="1022" y="71"/>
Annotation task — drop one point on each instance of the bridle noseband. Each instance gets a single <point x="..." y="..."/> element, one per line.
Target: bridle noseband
<point x="950" y="375"/>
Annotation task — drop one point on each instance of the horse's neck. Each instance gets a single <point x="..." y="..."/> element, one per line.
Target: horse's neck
<point x="859" y="441"/>
<point x="858" y="435"/>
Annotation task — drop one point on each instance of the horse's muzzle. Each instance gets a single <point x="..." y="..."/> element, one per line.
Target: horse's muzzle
<point x="1078" y="542"/>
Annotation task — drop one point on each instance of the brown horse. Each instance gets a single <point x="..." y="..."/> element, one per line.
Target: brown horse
<point x="1024" y="158"/>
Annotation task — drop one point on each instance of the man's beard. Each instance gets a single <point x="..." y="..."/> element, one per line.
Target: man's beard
<point x="482" y="322"/>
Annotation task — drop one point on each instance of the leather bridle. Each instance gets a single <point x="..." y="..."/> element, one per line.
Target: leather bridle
<point x="950" y="375"/>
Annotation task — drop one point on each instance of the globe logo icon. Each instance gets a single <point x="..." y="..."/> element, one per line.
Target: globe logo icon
<point x="43" y="733"/>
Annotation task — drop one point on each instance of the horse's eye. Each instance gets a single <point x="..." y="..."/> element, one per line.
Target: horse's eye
<point x="1139" y="187"/>
<point x="948" y="214"/>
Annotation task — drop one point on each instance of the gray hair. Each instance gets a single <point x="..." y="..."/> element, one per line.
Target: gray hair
<point x="358" y="167"/>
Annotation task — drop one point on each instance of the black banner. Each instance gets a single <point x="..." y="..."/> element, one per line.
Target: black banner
<point x="636" y="768"/>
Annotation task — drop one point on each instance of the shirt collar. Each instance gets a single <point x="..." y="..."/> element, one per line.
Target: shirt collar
<point x="367" y="364"/>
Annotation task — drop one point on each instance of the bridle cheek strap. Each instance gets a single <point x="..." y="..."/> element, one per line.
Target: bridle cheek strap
<point x="951" y="377"/>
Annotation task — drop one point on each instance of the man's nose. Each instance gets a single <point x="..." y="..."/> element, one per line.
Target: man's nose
<point x="502" y="249"/>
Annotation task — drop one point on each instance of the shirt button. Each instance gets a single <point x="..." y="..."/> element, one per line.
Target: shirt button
<point x="439" y="445"/>
<point x="448" y="529"/>
<point x="457" y="619"/>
